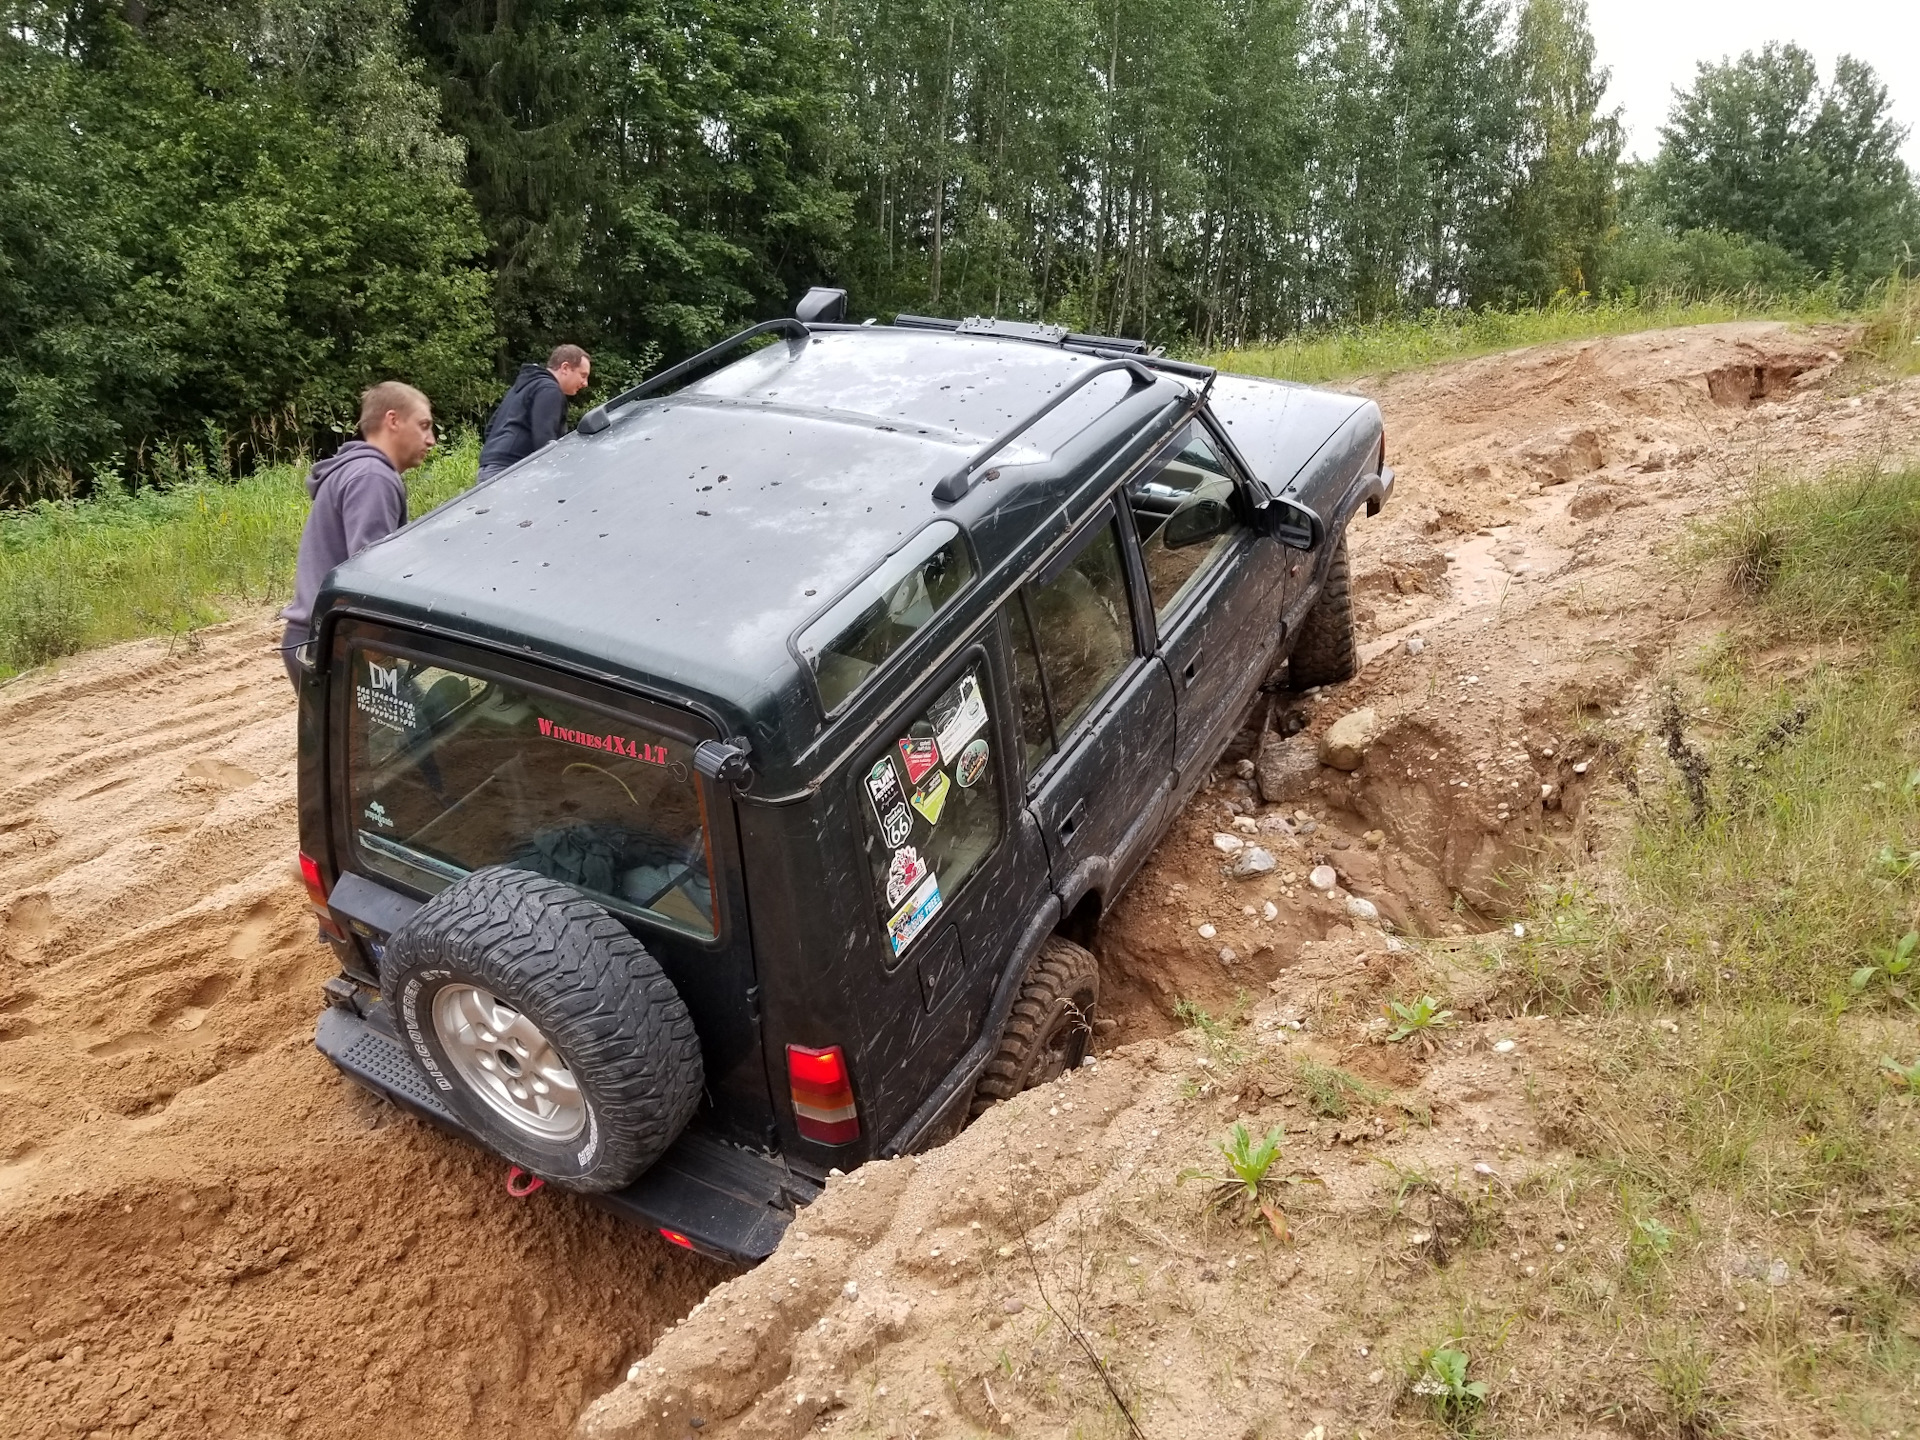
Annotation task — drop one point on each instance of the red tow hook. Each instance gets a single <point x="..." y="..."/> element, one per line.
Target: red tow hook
<point x="522" y="1183"/>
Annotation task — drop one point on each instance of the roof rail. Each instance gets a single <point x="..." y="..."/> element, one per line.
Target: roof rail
<point x="601" y="415"/>
<point x="953" y="487"/>
<point x="1023" y="330"/>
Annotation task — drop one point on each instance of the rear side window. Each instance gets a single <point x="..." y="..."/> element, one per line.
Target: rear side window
<point x="449" y="771"/>
<point x="932" y="802"/>
<point x="845" y="646"/>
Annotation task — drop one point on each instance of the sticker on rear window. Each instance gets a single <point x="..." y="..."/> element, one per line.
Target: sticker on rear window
<point x="919" y="753"/>
<point x="380" y="700"/>
<point x="931" y="798"/>
<point x="958" y="716"/>
<point x="611" y="743"/>
<point x="904" y="871"/>
<point x="911" y="918"/>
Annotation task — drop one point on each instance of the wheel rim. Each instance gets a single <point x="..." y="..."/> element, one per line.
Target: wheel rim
<point x="508" y="1063"/>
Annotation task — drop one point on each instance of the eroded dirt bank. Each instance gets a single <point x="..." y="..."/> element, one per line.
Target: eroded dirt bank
<point x="203" y="1230"/>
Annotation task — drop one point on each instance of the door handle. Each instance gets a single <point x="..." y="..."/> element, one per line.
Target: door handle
<point x="1071" y="820"/>
<point x="1192" y="667"/>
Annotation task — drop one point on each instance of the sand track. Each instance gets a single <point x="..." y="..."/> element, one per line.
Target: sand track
<point x="204" y="1231"/>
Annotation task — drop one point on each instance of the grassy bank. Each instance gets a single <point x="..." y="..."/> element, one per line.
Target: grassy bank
<point x="1745" y="971"/>
<point x="1403" y="344"/>
<point x="74" y="574"/>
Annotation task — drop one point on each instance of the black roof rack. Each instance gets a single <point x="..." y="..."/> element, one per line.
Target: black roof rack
<point x="954" y="486"/>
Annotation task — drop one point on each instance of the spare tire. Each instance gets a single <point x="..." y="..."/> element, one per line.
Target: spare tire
<point x="545" y="1027"/>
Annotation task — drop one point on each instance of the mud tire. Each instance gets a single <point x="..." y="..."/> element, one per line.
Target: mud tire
<point x="1050" y="1026"/>
<point x="1325" y="652"/>
<point x="594" y="993"/>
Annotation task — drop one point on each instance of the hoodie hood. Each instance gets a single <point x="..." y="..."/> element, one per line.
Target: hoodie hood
<point x="347" y="454"/>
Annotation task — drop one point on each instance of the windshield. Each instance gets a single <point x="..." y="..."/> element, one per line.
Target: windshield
<point x="449" y="771"/>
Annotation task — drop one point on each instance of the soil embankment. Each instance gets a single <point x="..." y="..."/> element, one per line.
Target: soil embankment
<point x="203" y="1230"/>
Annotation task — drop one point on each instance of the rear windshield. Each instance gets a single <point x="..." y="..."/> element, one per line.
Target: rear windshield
<point x="449" y="771"/>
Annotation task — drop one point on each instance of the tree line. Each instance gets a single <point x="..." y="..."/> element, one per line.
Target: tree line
<point x="218" y="221"/>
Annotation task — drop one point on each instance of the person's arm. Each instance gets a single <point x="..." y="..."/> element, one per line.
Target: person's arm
<point x="372" y="507"/>
<point x="547" y="416"/>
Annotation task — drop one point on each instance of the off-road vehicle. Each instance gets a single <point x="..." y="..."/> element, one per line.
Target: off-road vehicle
<point x="728" y="792"/>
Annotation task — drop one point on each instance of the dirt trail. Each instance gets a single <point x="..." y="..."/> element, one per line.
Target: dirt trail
<point x="204" y="1231"/>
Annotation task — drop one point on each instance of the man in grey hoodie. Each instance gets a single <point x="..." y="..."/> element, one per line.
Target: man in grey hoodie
<point x="534" y="410"/>
<point x="358" y="498"/>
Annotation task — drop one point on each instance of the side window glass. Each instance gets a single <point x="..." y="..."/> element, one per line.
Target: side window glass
<point x="1036" y="729"/>
<point x="932" y="803"/>
<point x="1183" y="511"/>
<point x="1082" y="629"/>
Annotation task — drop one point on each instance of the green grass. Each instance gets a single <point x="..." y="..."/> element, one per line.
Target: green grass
<point x="1745" y="1088"/>
<point x="1384" y="346"/>
<point x="75" y="574"/>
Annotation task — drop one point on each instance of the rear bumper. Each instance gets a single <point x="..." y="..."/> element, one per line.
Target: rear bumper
<point x="732" y="1204"/>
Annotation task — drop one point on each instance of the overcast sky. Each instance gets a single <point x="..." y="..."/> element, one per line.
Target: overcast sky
<point x="1652" y="46"/>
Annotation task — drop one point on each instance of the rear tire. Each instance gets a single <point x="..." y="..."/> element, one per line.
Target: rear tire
<point x="1050" y="1027"/>
<point x="1325" y="653"/>
<point x="545" y="1027"/>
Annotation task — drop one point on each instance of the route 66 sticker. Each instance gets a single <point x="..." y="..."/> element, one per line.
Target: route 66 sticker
<point x="895" y="826"/>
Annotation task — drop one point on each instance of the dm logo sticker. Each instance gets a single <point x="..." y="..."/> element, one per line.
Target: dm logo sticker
<point x="972" y="764"/>
<point x="904" y="871"/>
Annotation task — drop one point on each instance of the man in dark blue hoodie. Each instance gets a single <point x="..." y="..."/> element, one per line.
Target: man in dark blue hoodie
<point x="534" y="411"/>
<point x="358" y="498"/>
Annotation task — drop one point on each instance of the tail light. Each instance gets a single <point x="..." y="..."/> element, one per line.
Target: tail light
<point x="317" y="897"/>
<point x="823" y="1107"/>
<point x="677" y="1238"/>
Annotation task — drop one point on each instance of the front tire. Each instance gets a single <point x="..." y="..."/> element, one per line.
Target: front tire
<point x="1050" y="1027"/>
<point x="545" y="1027"/>
<point x="1325" y="653"/>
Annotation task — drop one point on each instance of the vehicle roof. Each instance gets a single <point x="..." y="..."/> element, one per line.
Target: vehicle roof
<point x="686" y="543"/>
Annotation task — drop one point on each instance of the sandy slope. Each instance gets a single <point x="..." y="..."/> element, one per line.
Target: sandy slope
<point x="204" y="1231"/>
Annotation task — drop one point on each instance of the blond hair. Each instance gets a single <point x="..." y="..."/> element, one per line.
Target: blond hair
<point x="389" y="395"/>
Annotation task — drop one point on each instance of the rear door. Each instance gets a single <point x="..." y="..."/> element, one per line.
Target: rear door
<point x="1096" y="710"/>
<point x="956" y="867"/>
<point x="1215" y="585"/>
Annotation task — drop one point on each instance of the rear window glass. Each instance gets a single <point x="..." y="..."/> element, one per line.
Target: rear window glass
<point x="449" y="771"/>
<point x="852" y="640"/>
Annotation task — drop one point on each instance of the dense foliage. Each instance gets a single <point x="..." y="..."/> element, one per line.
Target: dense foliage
<point x="219" y="221"/>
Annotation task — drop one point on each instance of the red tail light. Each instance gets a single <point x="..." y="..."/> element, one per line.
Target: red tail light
<point x="317" y="896"/>
<point x="677" y="1238"/>
<point x="823" y="1107"/>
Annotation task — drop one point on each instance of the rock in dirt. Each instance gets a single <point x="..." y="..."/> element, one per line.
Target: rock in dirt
<point x="1321" y="877"/>
<point x="1345" y="744"/>
<point x="1363" y="910"/>
<point x="1228" y="844"/>
<point x="1286" y="769"/>
<point x="1250" y="862"/>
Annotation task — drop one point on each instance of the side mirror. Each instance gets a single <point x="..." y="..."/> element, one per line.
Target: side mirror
<point x="821" y="306"/>
<point x="1195" y="523"/>
<point x="1294" y="526"/>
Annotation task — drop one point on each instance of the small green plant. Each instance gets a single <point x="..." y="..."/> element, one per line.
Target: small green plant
<point x="1441" y="1378"/>
<point x="1329" y="1091"/>
<point x="1250" y="1190"/>
<point x="1218" y="1033"/>
<point x="1892" y="965"/>
<point x="1649" y="1240"/>
<point x="1905" y="1076"/>
<point x="1417" y="1021"/>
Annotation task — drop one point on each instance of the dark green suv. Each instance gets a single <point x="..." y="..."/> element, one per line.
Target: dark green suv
<point x="728" y="792"/>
